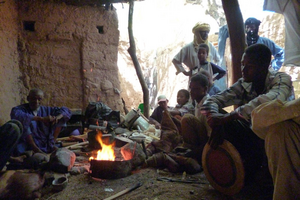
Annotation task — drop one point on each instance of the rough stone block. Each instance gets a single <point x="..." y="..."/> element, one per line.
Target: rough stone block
<point x="62" y="160"/>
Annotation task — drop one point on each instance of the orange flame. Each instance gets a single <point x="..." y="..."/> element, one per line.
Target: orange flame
<point x="107" y="152"/>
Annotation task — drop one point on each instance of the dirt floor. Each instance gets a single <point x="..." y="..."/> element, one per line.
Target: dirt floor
<point x="84" y="187"/>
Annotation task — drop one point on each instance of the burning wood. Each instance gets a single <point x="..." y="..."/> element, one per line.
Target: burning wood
<point x="108" y="165"/>
<point x="107" y="152"/>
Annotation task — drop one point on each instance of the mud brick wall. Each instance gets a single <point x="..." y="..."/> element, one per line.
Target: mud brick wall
<point x="71" y="53"/>
<point x="9" y="60"/>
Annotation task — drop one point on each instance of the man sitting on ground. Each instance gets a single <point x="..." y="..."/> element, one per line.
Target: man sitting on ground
<point x="10" y="134"/>
<point x="156" y="116"/>
<point x="278" y="124"/>
<point x="41" y="124"/>
<point x="258" y="85"/>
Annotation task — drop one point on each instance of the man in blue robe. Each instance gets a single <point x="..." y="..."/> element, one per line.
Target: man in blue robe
<point x="251" y="28"/>
<point x="41" y="124"/>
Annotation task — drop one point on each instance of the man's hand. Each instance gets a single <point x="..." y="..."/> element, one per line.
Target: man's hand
<point x="217" y="137"/>
<point x="216" y="121"/>
<point x="189" y="73"/>
<point x="155" y="123"/>
<point x="49" y="119"/>
<point x="157" y="126"/>
<point x="57" y="118"/>
<point x="32" y="144"/>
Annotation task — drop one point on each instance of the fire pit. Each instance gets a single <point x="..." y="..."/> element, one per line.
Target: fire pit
<point x="109" y="162"/>
<point x="106" y="169"/>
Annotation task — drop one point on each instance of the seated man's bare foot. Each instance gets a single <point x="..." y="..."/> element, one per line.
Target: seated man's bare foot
<point x="55" y="148"/>
<point x="18" y="159"/>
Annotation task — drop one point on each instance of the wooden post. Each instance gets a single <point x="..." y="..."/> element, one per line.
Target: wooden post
<point x="132" y="52"/>
<point x="237" y="36"/>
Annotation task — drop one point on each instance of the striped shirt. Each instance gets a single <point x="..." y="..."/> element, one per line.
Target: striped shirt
<point x="184" y="109"/>
<point x="278" y="85"/>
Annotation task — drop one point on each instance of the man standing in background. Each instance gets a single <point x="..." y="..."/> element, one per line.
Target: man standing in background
<point x="188" y="55"/>
<point x="251" y="28"/>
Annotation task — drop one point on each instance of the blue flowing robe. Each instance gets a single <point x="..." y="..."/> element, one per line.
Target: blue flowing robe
<point x="277" y="52"/>
<point x="43" y="134"/>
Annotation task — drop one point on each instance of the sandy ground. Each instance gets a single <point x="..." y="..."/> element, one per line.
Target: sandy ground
<point x="84" y="187"/>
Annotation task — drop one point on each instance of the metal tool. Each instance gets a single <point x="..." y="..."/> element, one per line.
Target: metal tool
<point x="124" y="191"/>
<point x="166" y="179"/>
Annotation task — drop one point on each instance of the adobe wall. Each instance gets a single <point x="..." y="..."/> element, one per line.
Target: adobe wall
<point x="9" y="67"/>
<point x="70" y="52"/>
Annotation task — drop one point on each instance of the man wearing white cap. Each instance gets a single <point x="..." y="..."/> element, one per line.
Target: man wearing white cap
<point x="157" y="114"/>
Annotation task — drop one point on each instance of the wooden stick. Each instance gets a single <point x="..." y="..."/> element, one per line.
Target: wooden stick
<point x="154" y="137"/>
<point x="77" y="147"/>
<point x="66" y="144"/>
<point x="124" y="192"/>
<point x="83" y="136"/>
<point x="63" y="138"/>
<point x="78" y="144"/>
<point x="143" y="116"/>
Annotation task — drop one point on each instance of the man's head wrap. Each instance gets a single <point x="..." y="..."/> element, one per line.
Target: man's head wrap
<point x="252" y="20"/>
<point x="201" y="27"/>
<point x="197" y="37"/>
<point x="252" y="36"/>
<point x="196" y="30"/>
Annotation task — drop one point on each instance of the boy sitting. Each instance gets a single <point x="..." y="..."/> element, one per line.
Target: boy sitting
<point x="183" y="106"/>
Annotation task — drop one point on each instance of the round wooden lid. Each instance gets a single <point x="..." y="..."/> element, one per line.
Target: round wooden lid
<point x="223" y="168"/>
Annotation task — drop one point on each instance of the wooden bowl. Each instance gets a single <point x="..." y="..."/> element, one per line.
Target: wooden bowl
<point x="60" y="183"/>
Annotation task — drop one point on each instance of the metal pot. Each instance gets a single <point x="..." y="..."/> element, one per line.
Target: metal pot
<point x="105" y="169"/>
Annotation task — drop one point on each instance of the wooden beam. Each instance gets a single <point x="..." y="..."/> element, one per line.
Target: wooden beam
<point x="132" y="51"/>
<point x="237" y="36"/>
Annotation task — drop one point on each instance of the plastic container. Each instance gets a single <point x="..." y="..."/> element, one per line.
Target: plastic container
<point x="142" y="123"/>
<point x="130" y="118"/>
<point x="141" y="107"/>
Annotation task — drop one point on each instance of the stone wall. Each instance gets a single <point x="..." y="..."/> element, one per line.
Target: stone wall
<point x="9" y="66"/>
<point x="70" y="52"/>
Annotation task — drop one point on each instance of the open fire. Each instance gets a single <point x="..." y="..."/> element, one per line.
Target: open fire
<point x="108" y="164"/>
<point x="107" y="152"/>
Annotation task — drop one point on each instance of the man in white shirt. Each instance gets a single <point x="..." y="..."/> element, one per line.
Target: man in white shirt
<point x="188" y="55"/>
